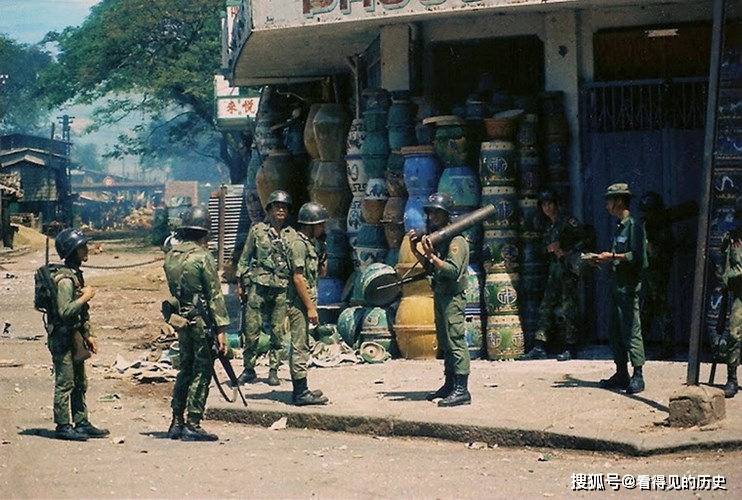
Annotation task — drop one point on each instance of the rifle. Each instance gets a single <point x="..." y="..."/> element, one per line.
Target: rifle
<point x="206" y="315"/>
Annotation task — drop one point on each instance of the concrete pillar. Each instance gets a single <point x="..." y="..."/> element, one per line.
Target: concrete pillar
<point x="561" y="59"/>
<point x="395" y="57"/>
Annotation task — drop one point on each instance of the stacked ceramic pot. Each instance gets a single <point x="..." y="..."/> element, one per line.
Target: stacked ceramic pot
<point x="328" y="186"/>
<point x="357" y="178"/>
<point x="556" y="142"/>
<point x="421" y="180"/>
<point x="473" y="318"/>
<point x="370" y="246"/>
<point x="501" y="249"/>
<point x="252" y="200"/>
<point x="461" y="183"/>
<point x="414" y="324"/>
<point x="533" y="268"/>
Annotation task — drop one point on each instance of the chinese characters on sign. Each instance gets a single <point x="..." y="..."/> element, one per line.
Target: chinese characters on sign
<point x="672" y="482"/>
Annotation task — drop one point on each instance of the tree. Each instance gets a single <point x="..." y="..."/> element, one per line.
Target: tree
<point x="21" y="108"/>
<point x="86" y="154"/>
<point x="156" y="57"/>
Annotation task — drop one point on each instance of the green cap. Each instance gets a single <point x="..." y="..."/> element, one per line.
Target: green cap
<point x="618" y="189"/>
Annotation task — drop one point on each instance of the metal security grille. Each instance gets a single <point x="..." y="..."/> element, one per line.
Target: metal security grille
<point x="644" y="105"/>
<point x="235" y="217"/>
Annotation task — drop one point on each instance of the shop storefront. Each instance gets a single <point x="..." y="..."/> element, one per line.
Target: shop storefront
<point x="576" y="94"/>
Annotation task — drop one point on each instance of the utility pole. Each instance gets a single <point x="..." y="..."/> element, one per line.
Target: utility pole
<point x="65" y="121"/>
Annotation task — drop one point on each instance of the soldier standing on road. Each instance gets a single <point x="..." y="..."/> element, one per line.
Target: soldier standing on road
<point x="263" y="278"/>
<point x="305" y="266"/>
<point x="70" y="382"/>
<point x="564" y="236"/>
<point x="193" y="280"/>
<point x="449" y="281"/>
<point x="731" y="276"/>
<point x="628" y="260"/>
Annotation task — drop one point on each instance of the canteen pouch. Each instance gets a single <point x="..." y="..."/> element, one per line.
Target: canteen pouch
<point x="170" y="306"/>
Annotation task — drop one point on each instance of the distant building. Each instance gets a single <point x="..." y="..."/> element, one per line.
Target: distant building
<point x="41" y="164"/>
<point x="10" y="192"/>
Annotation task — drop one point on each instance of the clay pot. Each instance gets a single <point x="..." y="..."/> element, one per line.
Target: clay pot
<point x="504" y="337"/>
<point x="356" y="136"/>
<point x="277" y="172"/>
<point x="310" y="140"/>
<point x="374" y="200"/>
<point x="357" y="175"/>
<point x="330" y="131"/>
<point x="328" y="186"/>
<point x="415" y="327"/>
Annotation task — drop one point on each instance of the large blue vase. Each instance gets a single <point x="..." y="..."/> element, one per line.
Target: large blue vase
<point x="329" y="291"/>
<point x="462" y="185"/>
<point x="420" y="172"/>
<point x="414" y="214"/>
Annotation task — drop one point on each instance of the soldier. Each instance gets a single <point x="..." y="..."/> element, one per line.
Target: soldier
<point x="449" y="281"/>
<point x="731" y="276"/>
<point x="564" y="236"/>
<point x="193" y="281"/>
<point x="263" y="278"/>
<point x="657" y="274"/>
<point x="628" y="260"/>
<point x="305" y="267"/>
<point x="72" y="317"/>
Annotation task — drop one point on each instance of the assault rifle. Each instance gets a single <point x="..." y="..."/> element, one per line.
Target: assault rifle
<point x="204" y="312"/>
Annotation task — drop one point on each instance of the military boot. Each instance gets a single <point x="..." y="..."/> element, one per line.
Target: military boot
<point x="273" y="378"/>
<point x="248" y="376"/>
<point x="176" y="426"/>
<point x="568" y="353"/>
<point x="731" y="387"/>
<point x="91" y="431"/>
<point x="538" y="351"/>
<point x="619" y="380"/>
<point x="68" y="433"/>
<point x="636" y="384"/>
<point x="192" y="431"/>
<point x="445" y="389"/>
<point x="460" y="394"/>
<point x="302" y="396"/>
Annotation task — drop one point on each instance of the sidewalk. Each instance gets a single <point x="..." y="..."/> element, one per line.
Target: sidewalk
<point x="534" y="403"/>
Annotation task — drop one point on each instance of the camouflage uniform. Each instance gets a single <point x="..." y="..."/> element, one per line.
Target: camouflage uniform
<point x="449" y="296"/>
<point x="192" y="276"/>
<point x="70" y="382"/>
<point x="656" y="279"/>
<point x="731" y="275"/>
<point x="303" y="255"/>
<point x="560" y="294"/>
<point x="625" y="325"/>
<point x="263" y="270"/>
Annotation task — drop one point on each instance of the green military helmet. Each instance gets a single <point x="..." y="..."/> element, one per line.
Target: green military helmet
<point x="196" y="218"/>
<point x="278" y="196"/>
<point x="548" y="195"/>
<point x="69" y="240"/>
<point x="618" y="189"/>
<point x="439" y="201"/>
<point x="312" y="213"/>
<point x="651" y="201"/>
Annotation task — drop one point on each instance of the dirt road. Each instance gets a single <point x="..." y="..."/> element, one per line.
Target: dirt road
<point x="136" y="461"/>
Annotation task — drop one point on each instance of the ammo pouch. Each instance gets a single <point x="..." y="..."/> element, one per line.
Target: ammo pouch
<point x="171" y="313"/>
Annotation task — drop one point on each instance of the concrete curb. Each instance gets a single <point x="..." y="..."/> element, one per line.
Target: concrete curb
<point x="389" y="426"/>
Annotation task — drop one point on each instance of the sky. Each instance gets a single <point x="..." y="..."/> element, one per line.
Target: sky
<point x="28" y="21"/>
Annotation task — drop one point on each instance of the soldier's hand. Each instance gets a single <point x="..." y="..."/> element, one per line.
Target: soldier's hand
<point x="221" y="343"/>
<point x="313" y="316"/>
<point x="240" y="291"/>
<point x="414" y="237"/>
<point x="428" y="248"/>
<point x="88" y="292"/>
<point x="92" y="344"/>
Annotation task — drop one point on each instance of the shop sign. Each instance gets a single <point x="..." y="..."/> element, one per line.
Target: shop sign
<point x="232" y="109"/>
<point x="311" y="8"/>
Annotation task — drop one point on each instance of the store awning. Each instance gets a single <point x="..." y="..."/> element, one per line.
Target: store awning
<point x="291" y="41"/>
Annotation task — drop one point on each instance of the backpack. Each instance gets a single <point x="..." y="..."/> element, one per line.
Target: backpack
<point x="45" y="289"/>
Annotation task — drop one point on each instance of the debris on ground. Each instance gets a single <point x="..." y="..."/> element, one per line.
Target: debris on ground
<point x="10" y="363"/>
<point x="477" y="445"/>
<point x="6" y="330"/>
<point x="118" y="440"/>
<point x="145" y="371"/>
<point x="279" y="424"/>
<point x="109" y="398"/>
<point x="325" y="355"/>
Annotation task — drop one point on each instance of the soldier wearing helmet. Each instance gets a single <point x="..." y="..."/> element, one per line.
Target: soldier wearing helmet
<point x="627" y="260"/>
<point x="559" y="310"/>
<point x="70" y="318"/>
<point x="263" y="278"/>
<point x="730" y="272"/>
<point x="447" y="262"/>
<point x="305" y="266"/>
<point x="193" y="280"/>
